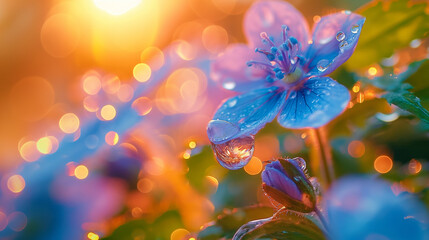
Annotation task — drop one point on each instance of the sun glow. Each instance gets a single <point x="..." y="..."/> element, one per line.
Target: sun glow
<point x="116" y="7"/>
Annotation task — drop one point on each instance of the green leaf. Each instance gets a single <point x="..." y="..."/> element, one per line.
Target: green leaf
<point x="389" y="25"/>
<point x="409" y="102"/>
<point x="161" y="228"/>
<point x="228" y="223"/>
<point x="198" y="164"/>
<point x="285" y="224"/>
<point x="352" y="118"/>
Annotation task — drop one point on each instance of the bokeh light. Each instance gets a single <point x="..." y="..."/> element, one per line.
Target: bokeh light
<point x="81" y="172"/>
<point x="145" y="185"/>
<point x="179" y="234"/>
<point x="17" y="221"/>
<point x="60" y="35"/>
<point x="44" y="145"/>
<point x="29" y="152"/>
<point x="383" y="164"/>
<point x="91" y="84"/>
<point x="414" y="166"/>
<point x="142" y="106"/>
<point x="108" y="112"/>
<point x="69" y="123"/>
<point x="16" y="183"/>
<point x="93" y="236"/>
<point x="112" y="138"/>
<point x="356" y="149"/>
<point x="142" y="72"/>
<point x="254" y="166"/>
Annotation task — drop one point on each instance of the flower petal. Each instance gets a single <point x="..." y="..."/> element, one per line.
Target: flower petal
<point x="317" y="102"/>
<point x="334" y="41"/>
<point x="231" y="71"/>
<point x="245" y="114"/>
<point x="278" y="180"/>
<point x="360" y="207"/>
<point x="269" y="16"/>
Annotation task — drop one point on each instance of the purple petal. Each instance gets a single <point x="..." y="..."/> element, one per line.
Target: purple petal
<point x="278" y="180"/>
<point x="334" y="41"/>
<point x="360" y="207"/>
<point x="245" y="114"/>
<point x="316" y="103"/>
<point x="231" y="71"/>
<point x="269" y="17"/>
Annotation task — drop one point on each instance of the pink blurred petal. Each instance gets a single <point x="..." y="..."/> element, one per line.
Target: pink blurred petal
<point x="231" y="71"/>
<point x="269" y="16"/>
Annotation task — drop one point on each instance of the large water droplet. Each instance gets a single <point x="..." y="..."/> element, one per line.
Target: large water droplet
<point x="340" y="36"/>
<point x="220" y="130"/>
<point x="235" y="153"/>
<point x="300" y="163"/>
<point x="355" y="29"/>
<point x="322" y="65"/>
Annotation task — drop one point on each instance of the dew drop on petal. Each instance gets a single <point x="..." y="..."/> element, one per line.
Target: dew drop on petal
<point x="232" y="102"/>
<point x="292" y="95"/>
<point x="322" y="65"/>
<point x="347" y="12"/>
<point x="235" y="153"/>
<point x="355" y="29"/>
<point x="340" y="36"/>
<point x="220" y="130"/>
<point x="300" y="163"/>
<point x="343" y="44"/>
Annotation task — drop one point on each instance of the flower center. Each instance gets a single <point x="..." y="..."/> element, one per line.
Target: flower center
<point x="284" y="57"/>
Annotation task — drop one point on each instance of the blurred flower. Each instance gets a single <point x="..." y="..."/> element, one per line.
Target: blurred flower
<point x="287" y="73"/>
<point x="366" y="208"/>
<point x="284" y="181"/>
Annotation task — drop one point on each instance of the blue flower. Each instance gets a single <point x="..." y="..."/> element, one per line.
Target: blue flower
<point x="365" y="208"/>
<point x="285" y="182"/>
<point x="280" y="72"/>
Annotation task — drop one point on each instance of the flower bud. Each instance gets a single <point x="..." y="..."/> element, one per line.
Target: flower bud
<point x="284" y="181"/>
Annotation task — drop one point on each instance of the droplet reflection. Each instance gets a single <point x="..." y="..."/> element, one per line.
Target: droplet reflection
<point x="235" y="153"/>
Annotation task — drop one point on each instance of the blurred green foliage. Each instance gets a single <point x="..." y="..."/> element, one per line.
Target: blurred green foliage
<point x="389" y="25"/>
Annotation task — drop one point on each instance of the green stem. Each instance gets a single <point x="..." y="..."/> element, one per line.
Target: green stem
<point x="324" y="154"/>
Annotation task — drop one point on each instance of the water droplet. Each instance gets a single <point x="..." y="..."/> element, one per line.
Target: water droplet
<point x="340" y="36"/>
<point x="343" y="44"/>
<point x="250" y="226"/>
<point x="293" y="60"/>
<point x="322" y="65"/>
<point x="220" y="130"/>
<point x="235" y="153"/>
<point x="232" y="102"/>
<point x="355" y="29"/>
<point x="229" y="85"/>
<point x="300" y="163"/>
<point x="292" y="95"/>
<point x="347" y="12"/>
